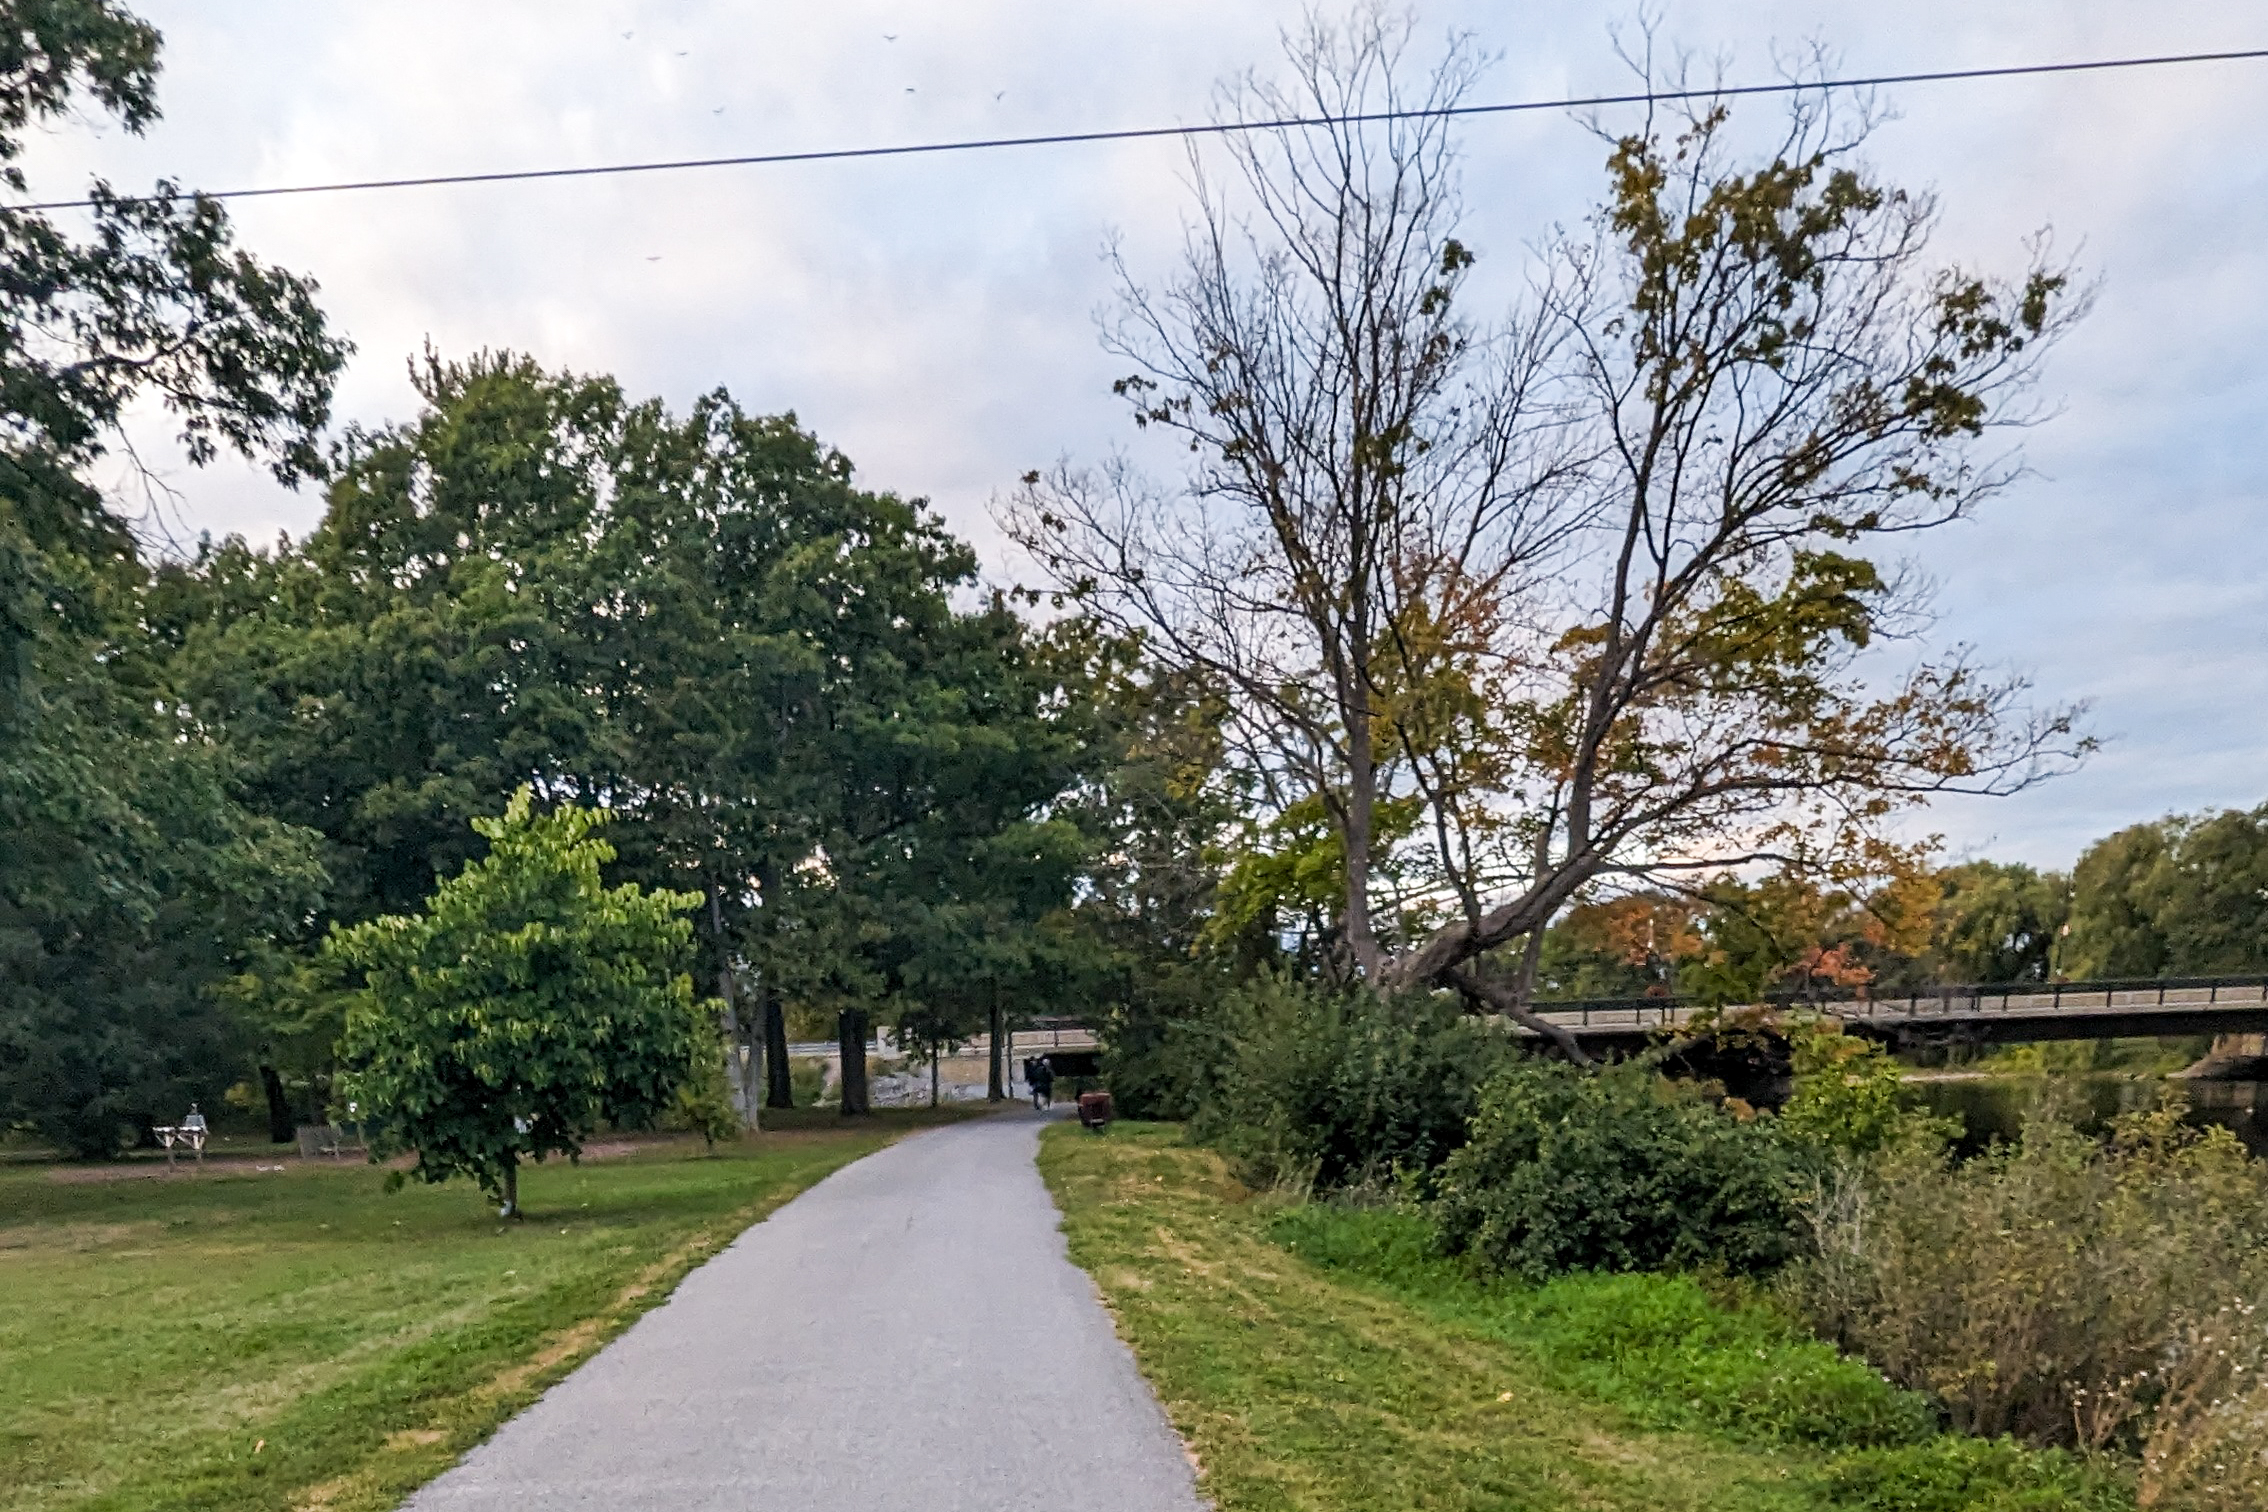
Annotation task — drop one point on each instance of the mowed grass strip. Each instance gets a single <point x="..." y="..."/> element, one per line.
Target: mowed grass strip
<point x="1311" y="1387"/>
<point x="306" y="1339"/>
<point x="1294" y="1389"/>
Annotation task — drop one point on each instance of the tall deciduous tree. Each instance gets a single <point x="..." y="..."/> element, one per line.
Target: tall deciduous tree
<point x="524" y="1006"/>
<point x="2183" y="896"/>
<point x="1997" y="923"/>
<point x="1585" y="592"/>
<point x="130" y="878"/>
<point x="700" y="622"/>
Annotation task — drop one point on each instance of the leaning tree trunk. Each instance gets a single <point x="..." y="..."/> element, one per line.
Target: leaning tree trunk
<point x="280" y="1129"/>
<point x="850" y="1037"/>
<point x="993" y="1090"/>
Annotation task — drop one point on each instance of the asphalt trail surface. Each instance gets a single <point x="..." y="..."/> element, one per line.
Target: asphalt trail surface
<point x="907" y="1334"/>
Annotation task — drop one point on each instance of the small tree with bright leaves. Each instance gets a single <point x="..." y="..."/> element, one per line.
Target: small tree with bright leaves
<point x="525" y="1006"/>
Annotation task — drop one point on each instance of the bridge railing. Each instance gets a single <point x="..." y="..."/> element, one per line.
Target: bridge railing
<point x="1964" y="1000"/>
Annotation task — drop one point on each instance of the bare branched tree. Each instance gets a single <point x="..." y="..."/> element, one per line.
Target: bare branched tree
<point x="1583" y="595"/>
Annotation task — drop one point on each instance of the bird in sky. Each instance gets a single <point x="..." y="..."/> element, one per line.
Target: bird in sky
<point x="1000" y="96"/>
<point x="889" y="36"/>
<point x="626" y="36"/>
<point x="655" y="258"/>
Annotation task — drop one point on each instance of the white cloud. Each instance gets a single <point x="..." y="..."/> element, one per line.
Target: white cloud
<point x="932" y="316"/>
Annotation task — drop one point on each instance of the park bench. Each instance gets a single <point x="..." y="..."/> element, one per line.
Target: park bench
<point x="190" y="1131"/>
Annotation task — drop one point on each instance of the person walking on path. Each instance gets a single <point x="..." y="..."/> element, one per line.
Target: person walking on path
<point x="1043" y="1083"/>
<point x="867" y="1348"/>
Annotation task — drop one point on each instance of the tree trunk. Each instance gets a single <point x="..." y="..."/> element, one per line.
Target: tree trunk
<point x="1531" y="957"/>
<point x="737" y="1090"/>
<point x="779" y="1086"/>
<point x="993" y="1090"/>
<point x="752" y="1078"/>
<point x="280" y="1129"/>
<point x="511" y="1208"/>
<point x="850" y="1037"/>
<point x="736" y="1069"/>
<point x="935" y="1054"/>
<point x="1360" y="828"/>
<point x="779" y="1083"/>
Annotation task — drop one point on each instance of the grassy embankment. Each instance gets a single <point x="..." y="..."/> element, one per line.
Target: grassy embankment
<point x="304" y="1339"/>
<point x="1320" y="1359"/>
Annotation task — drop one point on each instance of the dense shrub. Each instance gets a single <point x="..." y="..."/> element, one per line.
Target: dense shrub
<point x="1847" y="1095"/>
<point x="2066" y="1290"/>
<point x="1303" y="1086"/>
<point x="1615" y="1169"/>
<point x="1666" y="1352"/>
<point x="1159" y="1066"/>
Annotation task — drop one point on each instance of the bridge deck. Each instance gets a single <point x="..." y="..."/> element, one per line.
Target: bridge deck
<point x="1996" y="1014"/>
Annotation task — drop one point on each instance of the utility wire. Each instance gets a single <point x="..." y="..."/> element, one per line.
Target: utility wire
<point x="1220" y="128"/>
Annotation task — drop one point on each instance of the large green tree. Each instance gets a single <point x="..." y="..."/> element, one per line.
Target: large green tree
<point x="944" y="747"/>
<point x="131" y="879"/>
<point x="763" y="671"/>
<point x="2182" y="896"/>
<point x="1998" y="923"/>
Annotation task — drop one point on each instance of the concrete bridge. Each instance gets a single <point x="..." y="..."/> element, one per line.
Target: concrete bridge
<point x="1990" y="1014"/>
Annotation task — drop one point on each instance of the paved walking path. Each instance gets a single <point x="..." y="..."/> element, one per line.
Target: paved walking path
<point x="907" y="1334"/>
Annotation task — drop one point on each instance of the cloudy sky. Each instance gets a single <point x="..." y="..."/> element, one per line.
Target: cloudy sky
<point x="934" y="317"/>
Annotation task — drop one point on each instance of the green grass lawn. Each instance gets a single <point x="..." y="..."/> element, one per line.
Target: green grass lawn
<point x="1320" y="1360"/>
<point x="305" y="1339"/>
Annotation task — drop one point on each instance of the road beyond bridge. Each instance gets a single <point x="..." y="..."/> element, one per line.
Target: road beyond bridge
<point x="1990" y="1014"/>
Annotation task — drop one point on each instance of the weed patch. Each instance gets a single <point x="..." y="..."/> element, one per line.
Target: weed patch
<point x="1329" y="1360"/>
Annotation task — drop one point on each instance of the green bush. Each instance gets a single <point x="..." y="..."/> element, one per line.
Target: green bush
<point x="1954" y="1474"/>
<point x="1848" y="1095"/>
<point x="1669" y="1354"/>
<point x="703" y="1103"/>
<point x="1160" y="1050"/>
<point x="1615" y="1169"/>
<point x="1303" y="1086"/>
<point x="1660" y="1347"/>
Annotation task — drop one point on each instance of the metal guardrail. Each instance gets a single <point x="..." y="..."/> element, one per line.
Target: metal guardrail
<point x="1968" y="1001"/>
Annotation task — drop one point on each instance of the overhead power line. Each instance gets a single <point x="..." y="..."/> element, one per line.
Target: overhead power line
<point x="1218" y="128"/>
